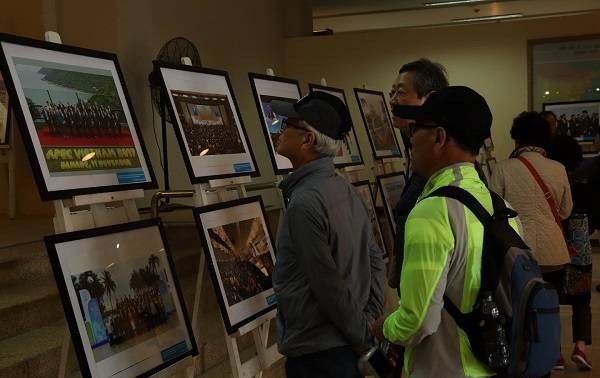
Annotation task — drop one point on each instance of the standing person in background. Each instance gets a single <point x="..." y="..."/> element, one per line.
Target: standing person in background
<point x="578" y="280"/>
<point x="515" y="180"/>
<point x="415" y="81"/>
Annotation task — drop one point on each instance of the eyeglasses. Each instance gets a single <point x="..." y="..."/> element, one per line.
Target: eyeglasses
<point x="413" y="127"/>
<point x="286" y="123"/>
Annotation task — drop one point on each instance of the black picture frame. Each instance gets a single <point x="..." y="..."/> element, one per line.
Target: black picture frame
<point x="386" y="204"/>
<point x="77" y="337"/>
<point x="230" y="326"/>
<point x="272" y="154"/>
<point x="313" y="87"/>
<point x="590" y="148"/>
<point x="378" y="234"/>
<point x="378" y="155"/>
<point x="195" y="179"/>
<point x="5" y="134"/>
<point x="18" y="106"/>
<point x="573" y="49"/>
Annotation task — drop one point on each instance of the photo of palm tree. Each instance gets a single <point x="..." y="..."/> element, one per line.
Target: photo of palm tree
<point x="125" y="304"/>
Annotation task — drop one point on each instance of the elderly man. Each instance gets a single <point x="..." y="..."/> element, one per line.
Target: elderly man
<point x="329" y="273"/>
<point x="443" y="240"/>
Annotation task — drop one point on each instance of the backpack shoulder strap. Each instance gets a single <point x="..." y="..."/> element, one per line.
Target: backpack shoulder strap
<point x="466" y="199"/>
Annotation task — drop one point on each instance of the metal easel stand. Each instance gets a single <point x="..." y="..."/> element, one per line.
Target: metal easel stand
<point x="216" y="191"/>
<point x="7" y="156"/>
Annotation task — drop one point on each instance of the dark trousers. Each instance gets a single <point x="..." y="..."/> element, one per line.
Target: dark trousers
<point x="581" y="319"/>
<point x="340" y="362"/>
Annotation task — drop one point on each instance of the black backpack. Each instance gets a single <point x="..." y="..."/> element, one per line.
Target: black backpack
<point x="514" y="327"/>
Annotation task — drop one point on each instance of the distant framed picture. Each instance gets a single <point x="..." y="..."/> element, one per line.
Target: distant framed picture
<point x="122" y="300"/>
<point x="364" y="188"/>
<point x="266" y="89"/>
<point x="240" y="256"/>
<point x="75" y="118"/>
<point x="4" y="114"/>
<point x="349" y="153"/>
<point x="209" y="126"/>
<point x="579" y="119"/>
<point x="376" y="118"/>
<point x="563" y="69"/>
<point x="391" y="187"/>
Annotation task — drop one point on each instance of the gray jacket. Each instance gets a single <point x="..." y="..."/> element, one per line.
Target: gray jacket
<point x="329" y="273"/>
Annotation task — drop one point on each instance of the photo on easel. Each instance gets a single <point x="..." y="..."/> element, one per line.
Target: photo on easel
<point x="349" y="153"/>
<point x="75" y="118"/>
<point x="376" y="118"/>
<point x="240" y="255"/>
<point x="209" y="125"/>
<point x="122" y="300"/>
<point x="4" y="114"/>
<point x="364" y="189"/>
<point x="266" y="89"/>
<point x="579" y="120"/>
<point x="391" y="187"/>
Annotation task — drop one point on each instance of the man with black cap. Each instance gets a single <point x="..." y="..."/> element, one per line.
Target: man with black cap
<point x="329" y="273"/>
<point x="443" y="239"/>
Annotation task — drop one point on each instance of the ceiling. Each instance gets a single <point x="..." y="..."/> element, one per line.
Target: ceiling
<point x="357" y="15"/>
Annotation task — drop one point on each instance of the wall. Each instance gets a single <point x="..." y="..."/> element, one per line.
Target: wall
<point x="491" y="58"/>
<point x="23" y="18"/>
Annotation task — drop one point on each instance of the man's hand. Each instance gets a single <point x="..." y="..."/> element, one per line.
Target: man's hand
<point x="376" y="328"/>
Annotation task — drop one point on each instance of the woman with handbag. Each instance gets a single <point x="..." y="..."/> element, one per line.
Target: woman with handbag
<point x="538" y="189"/>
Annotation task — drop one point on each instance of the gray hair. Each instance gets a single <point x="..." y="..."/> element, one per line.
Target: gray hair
<point x="325" y="145"/>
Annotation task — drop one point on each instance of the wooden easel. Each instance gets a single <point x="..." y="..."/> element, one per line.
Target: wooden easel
<point x="7" y="156"/>
<point x="216" y="191"/>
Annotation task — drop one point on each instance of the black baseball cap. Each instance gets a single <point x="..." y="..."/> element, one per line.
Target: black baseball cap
<point x="323" y="111"/>
<point x="460" y="110"/>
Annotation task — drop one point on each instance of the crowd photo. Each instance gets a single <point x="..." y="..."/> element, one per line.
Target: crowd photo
<point x="125" y="305"/>
<point x="208" y="123"/>
<point x="243" y="258"/>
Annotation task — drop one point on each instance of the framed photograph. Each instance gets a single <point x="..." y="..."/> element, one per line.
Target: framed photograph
<point x="209" y="126"/>
<point x="4" y="114"/>
<point x="376" y="118"/>
<point x="579" y="120"/>
<point x="364" y="188"/>
<point x="391" y="186"/>
<point x="240" y="256"/>
<point x="349" y="153"/>
<point x="122" y="299"/>
<point x="266" y="89"/>
<point x="75" y="117"/>
<point x="563" y="69"/>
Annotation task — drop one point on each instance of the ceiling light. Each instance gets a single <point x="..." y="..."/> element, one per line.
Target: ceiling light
<point x="488" y="18"/>
<point x="454" y="2"/>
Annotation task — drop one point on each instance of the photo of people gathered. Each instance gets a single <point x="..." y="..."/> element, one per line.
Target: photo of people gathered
<point x="125" y="304"/>
<point x="208" y="123"/>
<point x="243" y="257"/>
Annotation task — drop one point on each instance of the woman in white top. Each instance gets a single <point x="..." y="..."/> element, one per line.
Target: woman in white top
<point x="513" y="180"/>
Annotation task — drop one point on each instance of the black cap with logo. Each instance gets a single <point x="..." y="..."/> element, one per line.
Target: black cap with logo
<point x="460" y="110"/>
<point x="323" y="111"/>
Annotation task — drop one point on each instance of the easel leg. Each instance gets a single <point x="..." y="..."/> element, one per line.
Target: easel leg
<point x="12" y="187"/>
<point x="196" y="311"/>
<point x="64" y="354"/>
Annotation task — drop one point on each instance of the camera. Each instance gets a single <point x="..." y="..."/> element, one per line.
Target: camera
<point x="375" y="363"/>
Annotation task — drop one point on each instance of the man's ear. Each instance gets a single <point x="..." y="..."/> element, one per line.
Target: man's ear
<point x="440" y="135"/>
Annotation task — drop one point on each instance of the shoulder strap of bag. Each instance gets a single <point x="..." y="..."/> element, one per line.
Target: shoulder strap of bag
<point x="466" y="199"/>
<point x="547" y="194"/>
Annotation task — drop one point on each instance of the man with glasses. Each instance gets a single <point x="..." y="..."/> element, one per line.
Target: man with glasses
<point x="443" y="240"/>
<point x="329" y="274"/>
